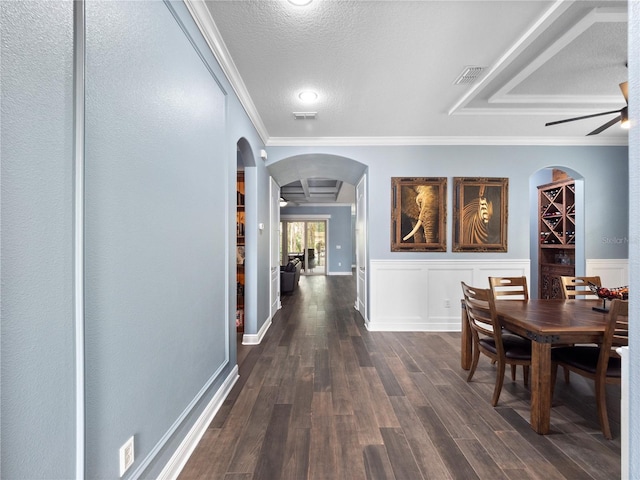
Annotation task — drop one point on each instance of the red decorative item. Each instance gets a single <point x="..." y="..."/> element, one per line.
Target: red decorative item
<point x="605" y="294"/>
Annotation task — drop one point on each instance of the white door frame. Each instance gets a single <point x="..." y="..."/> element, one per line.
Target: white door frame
<point x="274" y="247"/>
<point x="362" y="272"/>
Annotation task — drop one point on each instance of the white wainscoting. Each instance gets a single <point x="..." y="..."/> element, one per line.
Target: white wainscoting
<point x="613" y="272"/>
<point x="424" y="295"/>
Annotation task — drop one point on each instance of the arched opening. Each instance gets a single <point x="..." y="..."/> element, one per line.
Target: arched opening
<point x="557" y="228"/>
<point x="246" y="239"/>
<point x="312" y="184"/>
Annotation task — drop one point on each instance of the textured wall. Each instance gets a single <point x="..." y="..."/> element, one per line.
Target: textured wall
<point x="160" y="142"/>
<point x="603" y="168"/>
<point x="37" y="241"/>
<point x="156" y="319"/>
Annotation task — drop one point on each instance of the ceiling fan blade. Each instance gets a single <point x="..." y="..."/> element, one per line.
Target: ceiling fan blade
<point x="602" y="128"/>
<point x="580" y="118"/>
<point x="624" y="87"/>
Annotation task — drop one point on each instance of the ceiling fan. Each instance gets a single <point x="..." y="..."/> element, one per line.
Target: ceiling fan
<point x="623" y="115"/>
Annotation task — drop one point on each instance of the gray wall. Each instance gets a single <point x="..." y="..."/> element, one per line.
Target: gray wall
<point x="160" y="141"/>
<point x="340" y="233"/>
<point x="154" y="305"/>
<point x="38" y="358"/>
<point x="604" y="170"/>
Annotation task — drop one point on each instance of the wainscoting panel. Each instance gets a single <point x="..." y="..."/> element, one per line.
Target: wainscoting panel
<point x="424" y="296"/>
<point x="613" y="272"/>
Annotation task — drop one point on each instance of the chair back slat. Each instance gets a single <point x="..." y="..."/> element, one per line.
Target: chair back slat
<point x="578" y="287"/>
<point x="620" y="334"/>
<point x="509" y="288"/>
<point x="481" y="312"/>
<point x="616" y="334"/>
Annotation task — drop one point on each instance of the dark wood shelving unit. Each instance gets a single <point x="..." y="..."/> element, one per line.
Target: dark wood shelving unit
<point x="240" y="253"/>
<point x="557" y="236"/>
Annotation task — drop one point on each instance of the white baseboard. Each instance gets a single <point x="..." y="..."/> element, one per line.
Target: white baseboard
<point x="434" y="325"/>
<point x="256" y="338"/>
<point x="180" y="457"/>
<point x="340" y="273"/>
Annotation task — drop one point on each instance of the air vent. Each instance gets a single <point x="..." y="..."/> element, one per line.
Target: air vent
<point x="469" y="75"/>
<point x="305" y="115"/>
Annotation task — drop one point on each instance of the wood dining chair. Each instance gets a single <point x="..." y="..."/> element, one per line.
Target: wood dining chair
<point x="509" y="288"/>
<point x="600" y="363"/>
<point x="578" y="287"/>
<point x="489" y="338"/>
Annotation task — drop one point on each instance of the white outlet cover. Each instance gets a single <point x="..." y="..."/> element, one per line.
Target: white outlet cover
<point x="126" y="456"/>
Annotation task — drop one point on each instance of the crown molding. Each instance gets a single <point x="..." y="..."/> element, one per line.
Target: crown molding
<point x="202" y="16"/>
<point x="206" y="25"/>
<point x="425" y="141"/>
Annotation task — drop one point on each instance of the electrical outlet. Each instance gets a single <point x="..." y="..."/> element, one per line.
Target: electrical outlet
<point x="339" y="264"/>
<point x="126" y="456"/>
<point x="447" y="303"/>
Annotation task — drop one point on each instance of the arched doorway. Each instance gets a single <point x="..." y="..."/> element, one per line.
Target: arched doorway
<point x="246" y="239"/>
<point x="304" y="169"/>
<point x="549" y="176"/>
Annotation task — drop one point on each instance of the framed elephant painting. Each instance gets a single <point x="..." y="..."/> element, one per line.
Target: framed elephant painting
<point x="418" y="214"/>
<point x="480" y="214"/>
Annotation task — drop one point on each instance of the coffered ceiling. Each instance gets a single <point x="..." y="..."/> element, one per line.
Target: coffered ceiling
<point x="385" y="71"/>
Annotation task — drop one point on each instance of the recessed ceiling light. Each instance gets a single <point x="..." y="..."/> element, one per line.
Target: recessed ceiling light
<point x="308" y="96"/>
<point x="300" y="3"/>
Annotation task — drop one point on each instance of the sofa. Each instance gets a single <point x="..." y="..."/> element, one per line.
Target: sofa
<point x="290" y="275"/>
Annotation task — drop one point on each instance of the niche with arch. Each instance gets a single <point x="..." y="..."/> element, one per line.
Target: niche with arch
<point x="556" y="233"/>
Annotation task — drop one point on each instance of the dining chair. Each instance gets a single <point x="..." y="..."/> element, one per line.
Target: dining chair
<point x="509" y="288"/>
<point x="489" y="338"/>
<point x="600" y="363"/>
<point x="578" y="287"/>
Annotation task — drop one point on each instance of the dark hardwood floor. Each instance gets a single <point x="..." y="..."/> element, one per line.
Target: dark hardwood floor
<point x="323" y="398"/>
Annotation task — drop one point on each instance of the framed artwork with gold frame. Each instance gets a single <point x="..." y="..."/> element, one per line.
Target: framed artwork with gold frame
<point x="418" y="214"/>
<point x="480" y="214"/>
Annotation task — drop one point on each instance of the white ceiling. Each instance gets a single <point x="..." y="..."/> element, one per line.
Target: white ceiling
<point x="385" y="70"/>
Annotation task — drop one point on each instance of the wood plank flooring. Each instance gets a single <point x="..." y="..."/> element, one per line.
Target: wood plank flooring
<point x="323" y="398"/>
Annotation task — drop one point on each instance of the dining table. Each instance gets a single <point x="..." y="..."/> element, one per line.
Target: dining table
<point x="546" y="322"/>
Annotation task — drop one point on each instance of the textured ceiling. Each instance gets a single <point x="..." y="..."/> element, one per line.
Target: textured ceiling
<point x="385" y="70"/>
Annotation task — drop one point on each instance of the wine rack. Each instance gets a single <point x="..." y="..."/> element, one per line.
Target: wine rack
<point x="240" y="252"/>
<point x="557" y="235"/>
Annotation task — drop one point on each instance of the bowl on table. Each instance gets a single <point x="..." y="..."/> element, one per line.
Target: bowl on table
<point x="605" y="294"/>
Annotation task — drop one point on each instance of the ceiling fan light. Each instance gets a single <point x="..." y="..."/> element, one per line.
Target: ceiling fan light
<point x="624" y="88"/>
<point x="624" y="118"/>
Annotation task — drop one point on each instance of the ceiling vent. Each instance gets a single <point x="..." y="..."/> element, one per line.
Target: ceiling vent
<point x="469" y="75"/>
<point x="305" y="115"/>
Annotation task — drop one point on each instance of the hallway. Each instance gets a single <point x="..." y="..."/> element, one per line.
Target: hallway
<point x="323" y="398"/>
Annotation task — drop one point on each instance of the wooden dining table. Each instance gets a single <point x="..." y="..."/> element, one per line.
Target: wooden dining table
<point x="546" y="323"/>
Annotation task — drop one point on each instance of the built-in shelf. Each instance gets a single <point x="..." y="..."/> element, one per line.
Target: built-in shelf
<point x="556" y="236"/>
<point x="240" y="254"/>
